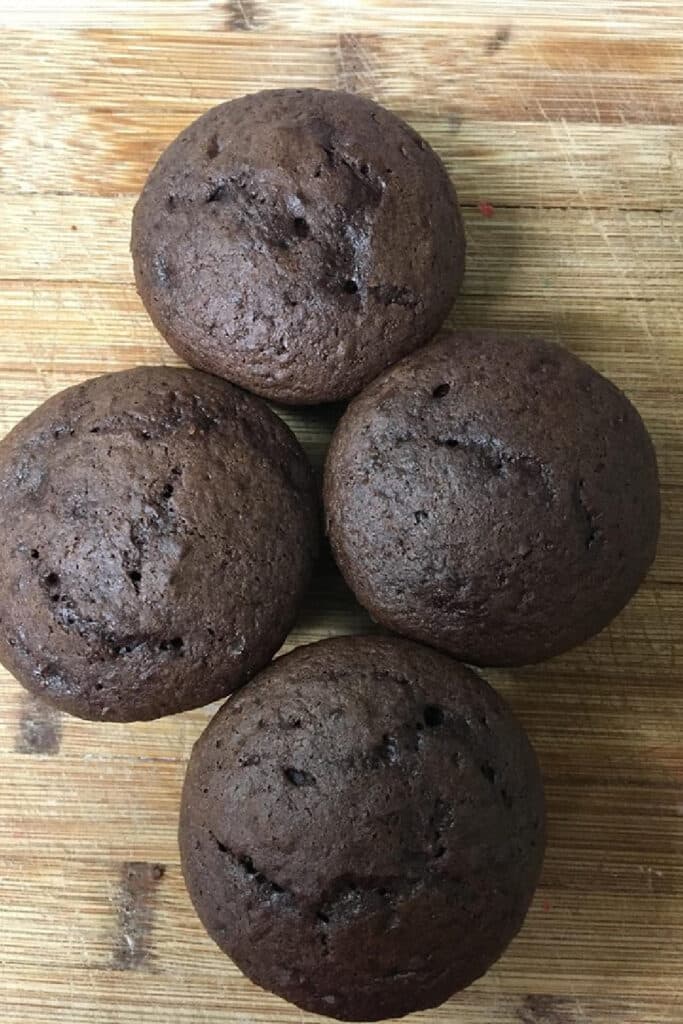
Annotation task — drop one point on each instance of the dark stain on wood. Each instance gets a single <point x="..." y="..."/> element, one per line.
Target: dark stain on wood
<point x="40" y="728"/>
<point x="547" y="1010"/>
<point x="354" y="64"/>
<point x="241" y="16"/>
<point x="135" y="913"/>
<point x="499" y="39"/>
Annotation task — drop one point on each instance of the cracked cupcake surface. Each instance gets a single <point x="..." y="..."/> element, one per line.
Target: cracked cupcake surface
<point x="362" y="827"/>
<point x="297" y="242"/>
<point x="158" y="530"/>
<point x="494" y="496"/>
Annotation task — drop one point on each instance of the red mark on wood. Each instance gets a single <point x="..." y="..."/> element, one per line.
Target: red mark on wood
<point x="486" y="210"/>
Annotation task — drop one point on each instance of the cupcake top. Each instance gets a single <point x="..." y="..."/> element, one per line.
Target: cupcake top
<point x="362" y="827"/>
<point x="297" y="242"/>
<point x="158" y="528"/>
<point x="493" y="495"/>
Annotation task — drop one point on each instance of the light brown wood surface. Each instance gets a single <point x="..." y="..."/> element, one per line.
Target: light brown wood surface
<point x="566" y="118"/>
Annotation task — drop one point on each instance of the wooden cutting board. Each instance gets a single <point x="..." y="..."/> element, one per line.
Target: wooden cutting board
<point x="561" y="123"/>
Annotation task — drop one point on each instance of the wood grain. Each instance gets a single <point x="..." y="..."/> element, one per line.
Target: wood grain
<point x="561" y="123"/>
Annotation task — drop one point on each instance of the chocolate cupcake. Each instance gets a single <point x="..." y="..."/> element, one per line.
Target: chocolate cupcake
<point x="362" y="827"/>
<point x="158" y="528"/>
<point x="494" y="496"/>
<point x="297" y="242"/>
